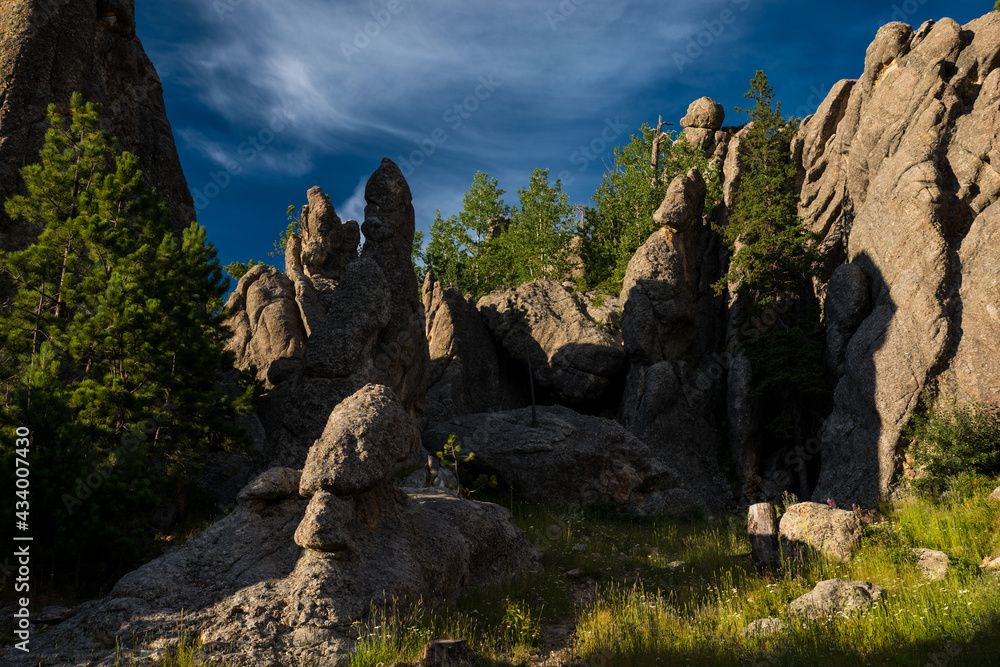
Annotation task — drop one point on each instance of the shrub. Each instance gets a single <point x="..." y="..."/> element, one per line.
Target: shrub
<point x="949" y="439"/>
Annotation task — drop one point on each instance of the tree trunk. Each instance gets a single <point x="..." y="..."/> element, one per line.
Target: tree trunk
<point x="762" y="523"/>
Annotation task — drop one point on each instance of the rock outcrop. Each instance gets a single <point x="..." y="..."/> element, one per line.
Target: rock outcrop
<point x="48" y="51"/>
<point x="333" y="321"/>
<point x="282" y="578"/>
<point x="566" y="459"/>
<point x="899" y="180"/>
<point x="672" y="326"/>
<point x="467" y="373"/>
<point x="547" y="324"/>
<point x="703" y="127"/>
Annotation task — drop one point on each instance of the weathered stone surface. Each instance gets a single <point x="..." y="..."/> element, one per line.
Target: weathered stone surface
<point x="683" y="203"/>
<point x="267" y="327"/>
<point x="449" y="653"/>
<point x="328" y="245"/>
<point x="252" y="594"/>
<point x="400" y="355"/>
<point x="932" y="564"/>
<point x="816" y="527"/>
<point x="48" y="51"/>
<point x="665" y="406"/>
<point x="897" y="181"/>
<point x="567" y="459"/>
<point x="995" y="495"/>
<point x="465" y="371"/>
<point x="836" y="597"/>
<point x="659" y="294"/>
<point x="570" y="353"/>
<point x="274" y="484"/>
<point x="366" y="437"/>
<point x="704" y="113"/>
<point x="847" y="304"/>
<point x="360" y="308"/>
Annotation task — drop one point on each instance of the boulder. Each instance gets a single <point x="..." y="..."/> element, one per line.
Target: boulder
<point x="683" y="203"/>
<point x="544" y="322"/>
<point x="48" y="51"/>
<point x="932" y="564"/>
<point x="896" y="180"/>
<point x="995" y="495"/>
<point x="366" y="438"/>
<point x="272" y="484"/>
<point x="814" y="527"/>
<point x="704" y="113"/>
<point x="449" y="653"/>
<point x="566" y="459"/>
<point x="836" y="597"/>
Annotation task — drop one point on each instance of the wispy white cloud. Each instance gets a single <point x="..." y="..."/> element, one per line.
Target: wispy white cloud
<point x="398" y="81"/>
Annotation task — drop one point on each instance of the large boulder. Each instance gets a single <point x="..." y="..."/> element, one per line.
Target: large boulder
<point x="817" y="528"/>
<point x="836" y="597"/>
<point x="683" y="203"/>
<point x="282" y="577"/>
<point x="545" y="323"/>
<point x="565" y="459"/>
<point x="48" y="51"/>
<point x="897" y="181"/>
<point x="466" y="373"/>
<point x="366" y="437"/>
<point x="704" y="113"/>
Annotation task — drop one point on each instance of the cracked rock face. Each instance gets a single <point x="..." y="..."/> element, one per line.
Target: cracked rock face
<point x="570" y="353"/>
<point x="333" y="321"/>
<point x="48" y="51"/>
<point x="282" y="578"/>
<point x="900" y="180"/>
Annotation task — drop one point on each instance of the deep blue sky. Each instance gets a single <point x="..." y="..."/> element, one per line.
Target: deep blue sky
<point x="325" y="103"/>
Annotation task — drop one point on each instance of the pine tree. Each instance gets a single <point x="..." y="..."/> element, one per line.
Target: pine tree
<point x="770" y="274"/>
<point x="113" y="345"/>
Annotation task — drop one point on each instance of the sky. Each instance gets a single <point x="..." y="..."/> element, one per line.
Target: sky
<point x="268" y="98"/>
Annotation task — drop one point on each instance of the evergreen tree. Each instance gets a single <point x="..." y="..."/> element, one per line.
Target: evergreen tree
<point x="771" y="269"/>
<point x="112" y="346"/>
<point x="628" y="196"/>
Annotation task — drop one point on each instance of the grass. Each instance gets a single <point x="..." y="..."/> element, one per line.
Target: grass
<point x="612" y="593"/>
<point x="613" y="579"/>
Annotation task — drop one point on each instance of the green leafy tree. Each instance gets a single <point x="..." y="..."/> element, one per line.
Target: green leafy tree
<point x="949" y="439"/>
<point x="239" y="269"/>
<point x="770" y="274"/>
<point x="449" y="251"/>
<point x="112" y="347"/>
<point x="628" y="196"/>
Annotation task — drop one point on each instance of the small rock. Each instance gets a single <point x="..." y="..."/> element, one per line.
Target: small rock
<point x="991" y="566"/>
<point x="995" y="495"/>
<point x="836" y="596"/>
<point x="574" y="573"/>
<point x="764" y="627"/>
<point x="580" y="546"/>
<point x="676" y="565"/>
<point x="933" y="564"/>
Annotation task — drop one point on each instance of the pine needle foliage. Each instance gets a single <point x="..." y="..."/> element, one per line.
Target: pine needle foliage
<point x="112" y="349"/>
